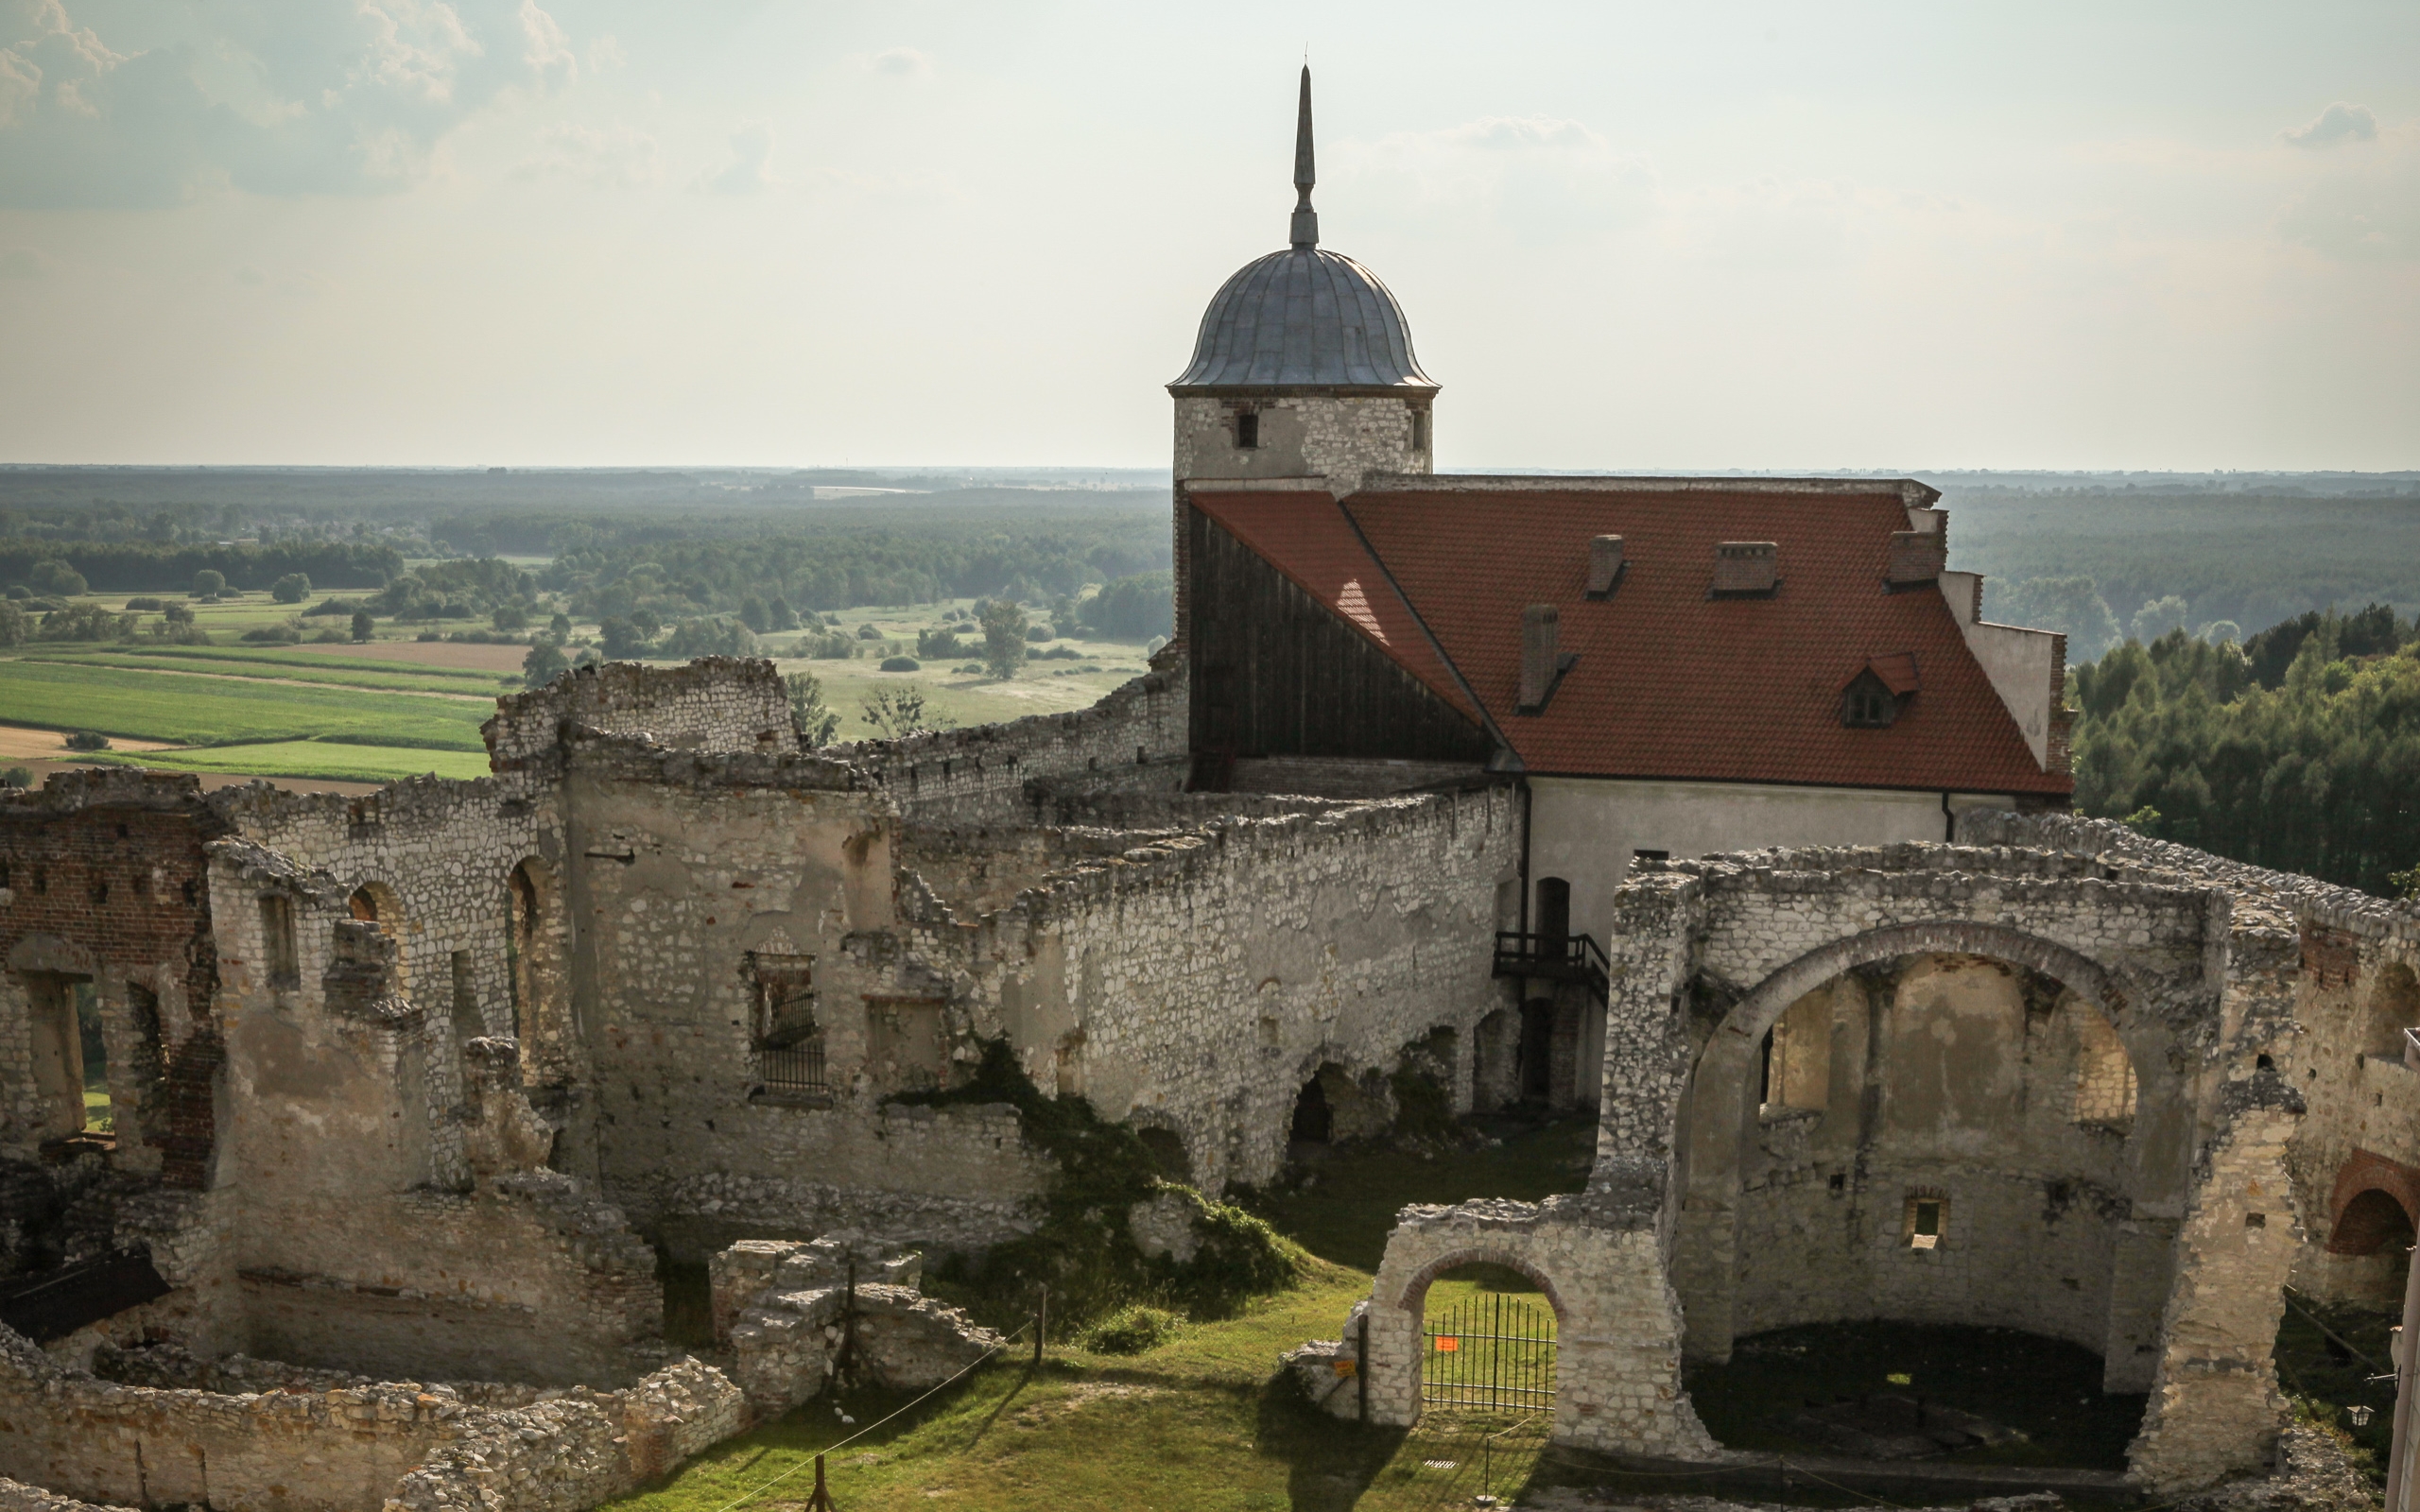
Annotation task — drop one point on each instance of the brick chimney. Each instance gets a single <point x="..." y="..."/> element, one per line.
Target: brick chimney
<point x="1746" y="569"/>
<point x="1540" y="628"/>
<point x="1917" y="557"/>
<point x="1604" y="565"/>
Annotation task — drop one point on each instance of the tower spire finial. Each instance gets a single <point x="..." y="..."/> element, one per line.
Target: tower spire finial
<point x="1306" y="220"/>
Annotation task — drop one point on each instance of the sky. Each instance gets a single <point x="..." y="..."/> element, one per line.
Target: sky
<point x="608" y="233"/>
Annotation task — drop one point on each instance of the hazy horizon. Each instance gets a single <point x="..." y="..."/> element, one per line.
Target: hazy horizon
<point x="594" y="233"/>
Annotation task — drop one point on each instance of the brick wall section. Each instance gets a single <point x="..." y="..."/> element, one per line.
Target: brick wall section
<point x="104" y="879"/>
<point x="1133" y="740"/>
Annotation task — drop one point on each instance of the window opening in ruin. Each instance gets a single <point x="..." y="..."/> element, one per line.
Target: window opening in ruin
<point x="1645" y="854"/>
<point x="1765" y="1071"/>
<point x="788" y="1042"/>
<point x="1247" y="430"/>
<point x="1167" y="1152"/>
<point x="1796" y="1077"/>
<point x="1925" y="1219"/>
<point x="364" y="906"/>
<point x="1554" y="911"/>
<point x="1419" y="430"/>
<point x="2106" y="1086"/>
<point x="99" y="1117"/>
<point x="2392" y="1009"/>
<point x="468" y="1024"/>
<point x="284" y="962"/>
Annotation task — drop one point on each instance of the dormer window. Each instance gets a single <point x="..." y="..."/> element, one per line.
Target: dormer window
<point x="1248" y="431"/>
<point x="1873" y="697"/>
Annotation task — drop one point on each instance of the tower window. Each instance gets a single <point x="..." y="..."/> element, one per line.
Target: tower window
<point x="1248" y="430"/>
<point x="1419" y="430"/>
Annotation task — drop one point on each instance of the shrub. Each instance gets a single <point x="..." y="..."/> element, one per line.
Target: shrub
<point x="901" y="663"/>
<point x="510" y="617"/>
<point x="753" y="614"/>
<point x="543" y="664"/>
<point x="1132" y="1330"/>
<point x="867" y="632"/>
<point x="430" y="635"/>
<point x="209" y="583"/>
<point x="17" y="777"/>
<point x="832" y="645"/>
<point x="1041" y="632"/>
<point x="291" y="589"/>
<point x="85" y="622"/>
<point x="714" y="636"/>
<point x="938" y="644"/>
<point x="784" y="617"/>
<point x="88" y="740"/>
<point x="19" y="591"/>
<point x="142" y="605"/>
<point x="273" y="635"/>
<point x="362" y="625"/>
<point x="15" y="625"/>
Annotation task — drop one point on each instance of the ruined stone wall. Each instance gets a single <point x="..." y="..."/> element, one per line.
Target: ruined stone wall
<point x="2339" y="1046"/>
<point x="699" y="876"/>
<point x="102" y="881"/>
<point x="1134" y="740"/>
<point x="353" y="1447"/>
<point x="715" y="703"/>
<point x="1263" y="948"/>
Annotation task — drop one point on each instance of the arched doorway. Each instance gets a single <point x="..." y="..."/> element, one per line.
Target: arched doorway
<point x="1488" y="1343"/>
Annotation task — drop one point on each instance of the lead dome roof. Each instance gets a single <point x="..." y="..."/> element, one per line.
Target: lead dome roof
<point x="1303" y="317"/>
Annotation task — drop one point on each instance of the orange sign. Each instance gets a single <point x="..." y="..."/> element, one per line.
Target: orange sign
<point x="1448" y="1344"/>
<point x="1345" y="1368"/>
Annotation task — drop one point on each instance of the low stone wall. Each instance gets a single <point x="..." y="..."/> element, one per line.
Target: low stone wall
<point x="15" y="1496"/>
<point x="716" y="703"/>
<point x="300" y="1446"/>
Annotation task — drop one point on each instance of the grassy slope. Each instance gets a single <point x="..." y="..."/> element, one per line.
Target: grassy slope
<point x="202" y="711"/>
<point x="1201" y="1422"/>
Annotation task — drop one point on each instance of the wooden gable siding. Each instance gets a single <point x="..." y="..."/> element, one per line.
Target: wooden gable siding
<point x="1275" y="672"/>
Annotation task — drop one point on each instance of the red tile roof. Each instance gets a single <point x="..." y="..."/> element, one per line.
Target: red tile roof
<point x="1670" y="682"/>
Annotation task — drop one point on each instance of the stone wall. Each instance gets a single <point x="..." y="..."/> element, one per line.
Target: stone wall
<point x="716" y="703"/>
<point x="1264" y="948"/>
<point x="1336" y="437"/>
<point x="1134" y="740"/>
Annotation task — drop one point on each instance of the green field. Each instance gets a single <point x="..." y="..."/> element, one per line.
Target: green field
<point x="285" y="667"/>
<point x="211" y="711"/>
<point x="309" y="758"/>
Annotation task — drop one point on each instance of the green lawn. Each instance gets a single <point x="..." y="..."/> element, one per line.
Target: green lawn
<point x="309" y="758"/>
<point x="201" y="710"/>
<point x="1202" y="1421"/>
<point x="285" y="666"/>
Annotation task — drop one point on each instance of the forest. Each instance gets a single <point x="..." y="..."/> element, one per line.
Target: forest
<point x="2298" y="748"/>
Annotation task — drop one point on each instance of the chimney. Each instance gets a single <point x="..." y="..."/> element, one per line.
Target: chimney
<point x="1604" y="565"/>
<point x="1746" y="569"/>
<point x="1917" y="558"/>
<point x="1539" y="628"/>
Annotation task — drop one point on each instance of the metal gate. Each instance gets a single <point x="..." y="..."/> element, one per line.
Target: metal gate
<point x="1490" y="1350"/>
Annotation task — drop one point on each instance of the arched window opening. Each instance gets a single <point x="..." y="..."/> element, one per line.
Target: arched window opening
<point x="64" y="1067"/>
<point x="1313" y="1121"/>
<point x="1488" y="1341"/>
<point x="2371" y="1222"/>
<point x="364" y="906"/>
<point x="2104" y="1076"/>
<point x="1795" y="1076"/>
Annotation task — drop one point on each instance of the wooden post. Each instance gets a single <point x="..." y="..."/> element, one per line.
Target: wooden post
<point x="1361" y="1365"/>
<point x="1041" y="1325"/>
<point x="822" y="1500"/>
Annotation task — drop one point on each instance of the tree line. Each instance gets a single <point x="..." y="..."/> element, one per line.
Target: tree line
<point x="2298" y="748"/>
<point x="144" y="566"/>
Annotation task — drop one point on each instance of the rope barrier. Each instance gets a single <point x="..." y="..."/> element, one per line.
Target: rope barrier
<point x="834" y="1449"/>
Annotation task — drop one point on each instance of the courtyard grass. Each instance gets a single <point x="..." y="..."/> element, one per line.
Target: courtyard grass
<point x="203" y="711"/>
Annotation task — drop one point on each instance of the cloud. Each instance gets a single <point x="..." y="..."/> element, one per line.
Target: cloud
<point x="1541" y="175"/>
<point x="749" y="170"/>
<point x="2337" y="124"/>
<point x="22" y="261"/>
<point x="904" y="61"/>
<point x="279" y="100"/>
<point x="616" y="158"/>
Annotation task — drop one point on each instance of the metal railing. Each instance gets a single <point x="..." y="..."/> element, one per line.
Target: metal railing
<point x="1558" y="958"/>
<point x="792" y="1070"/>
<point x="1490" y="1350"/>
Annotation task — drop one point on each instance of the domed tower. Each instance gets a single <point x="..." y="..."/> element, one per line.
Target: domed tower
<point x="1303" y="367"/>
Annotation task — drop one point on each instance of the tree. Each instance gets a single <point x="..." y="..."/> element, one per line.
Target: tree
<point x="362" y="625"/>
<point x="899" y="712"/>
<point x="559" y="628"/>
<point x="210" y="583"/>
<point x="784" y="617"/>
<point x="1003" y="621"/>
<point x="2158" y="617"/>
<point x="57" y="578"/>
<point x="817" y="726"/>
<point x="1134" y="607"/>
<point x="291" y="589"/>
<point x="623" y="642"/>
<point x="543" y="664"/>
<point x="14" y="624"/>
<point x="2070" y="604"/>
<point x="753" y="614"/>
<point x="712" y="636"/>
<point x="510" y="617"/>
